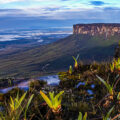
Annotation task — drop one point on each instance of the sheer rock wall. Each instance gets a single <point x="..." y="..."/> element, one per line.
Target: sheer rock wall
<point x="97" y="29"/>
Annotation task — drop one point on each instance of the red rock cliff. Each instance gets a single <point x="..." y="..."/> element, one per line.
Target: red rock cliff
<point x="97" y="29"/>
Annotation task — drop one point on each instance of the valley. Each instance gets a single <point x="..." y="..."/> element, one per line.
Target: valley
<point x="18" y="40"/>
<point x="57" y="56"/>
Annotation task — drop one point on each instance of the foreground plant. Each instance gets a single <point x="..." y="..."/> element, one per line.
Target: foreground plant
<point x="112" y="67"/>
<point x="108" y="86"/>
<point x="54" y="102"/>
<point x="81" y="117"/>
<point x="16" y="108"/>
<point x="115" y="66"/>
<point x="70" y="70"/>
<point x="107" y="117"/>
<point x="76" y="62"/>
<point x="118" y="98"/>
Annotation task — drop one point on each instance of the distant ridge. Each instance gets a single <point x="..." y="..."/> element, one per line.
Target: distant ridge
<point x="99" y="24"/>
<point x="107" y="29"/>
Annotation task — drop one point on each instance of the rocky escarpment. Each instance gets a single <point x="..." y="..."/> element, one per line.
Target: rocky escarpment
<point x="97" y="29"/>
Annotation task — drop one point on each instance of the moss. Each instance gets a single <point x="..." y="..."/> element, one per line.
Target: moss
<point x="37" y="85"/>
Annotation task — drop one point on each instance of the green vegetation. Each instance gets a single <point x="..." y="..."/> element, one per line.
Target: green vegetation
<point x="15" y="108"/>
<point x="56" y="57"/>
<point x="107" y="117"/>
<point x="71" y="101"/>
<point x="54" y="102"/>
<point x="107" y="85"/>
<point x="76" y="62"/>
<point x="82" y="118"/>
<point x="70" y="70"/>
<point x="84" y="94"/>
<point x="115" y="65"/>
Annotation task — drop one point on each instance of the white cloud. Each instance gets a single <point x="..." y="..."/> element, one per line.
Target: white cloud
<point x="61" y="13"/>
<point x="9" y="1"/>
<point x="30" y="34"/>
<point x="62" y="10"/>
<point x="12" y="1"/>
<point x="8" y="37"/>
<point x="40" y="40"/>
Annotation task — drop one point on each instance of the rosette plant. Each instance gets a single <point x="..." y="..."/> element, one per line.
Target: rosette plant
<point x="108" y="86"/>
<point x="115" y="65"/>
<point x="76" y="61"/>
<point x="54" y="102"/>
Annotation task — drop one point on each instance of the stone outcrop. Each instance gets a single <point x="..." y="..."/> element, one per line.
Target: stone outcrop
<point x="97" y="29"/>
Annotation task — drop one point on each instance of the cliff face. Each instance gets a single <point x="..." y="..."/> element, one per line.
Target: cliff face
<point x="97" y="29"/>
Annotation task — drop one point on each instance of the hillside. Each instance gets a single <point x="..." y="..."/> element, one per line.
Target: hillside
<point x="58" y="55"/>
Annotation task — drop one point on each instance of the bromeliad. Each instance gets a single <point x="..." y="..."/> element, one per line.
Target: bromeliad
<point x="76" y="62"/>
<point x="108" y="86"/>
<point x="80" y="117"/>
<point x="54" y="102"/>
<point x="115" y="65"/>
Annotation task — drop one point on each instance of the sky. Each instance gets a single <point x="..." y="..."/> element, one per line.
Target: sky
<point x="57" y="13"/>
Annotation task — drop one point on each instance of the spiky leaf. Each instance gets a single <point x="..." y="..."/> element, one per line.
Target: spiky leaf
<point x="29" y="101"/>
<point x="80" y="116"/>
<point x="85" y="116"/>
<point x="47" y="100"/>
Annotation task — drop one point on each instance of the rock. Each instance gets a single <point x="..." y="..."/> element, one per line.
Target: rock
<point x="97" y="29"/>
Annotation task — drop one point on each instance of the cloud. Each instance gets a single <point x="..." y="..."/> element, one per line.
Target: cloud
<point x="63" y="13"/>
<point x="60" y="13"/>
<point x="11" y="12"/>
<point x="97" y="3"/>
<point x="13" y="1"/>
<point x="111" y="9"/>
<point x="52" y="9"/>
<point x="9" y="1"/>
<point x="65" y="0"/>
<point x="34" y="34"/>
<point x="76" y="11"/>
<point x="23" y="13"/>
<point x="9" y="37"/>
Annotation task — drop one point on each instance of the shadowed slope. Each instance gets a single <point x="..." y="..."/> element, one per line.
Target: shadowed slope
<point x="58" y="55"/>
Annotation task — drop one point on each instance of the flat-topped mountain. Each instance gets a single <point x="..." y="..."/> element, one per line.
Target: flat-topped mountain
<point x="97" y="29"/>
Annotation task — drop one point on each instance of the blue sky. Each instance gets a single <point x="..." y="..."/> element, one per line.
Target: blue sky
<point x="58" y="9"/>
<point x="23" y="4"/>
<point x="73" y="11"/>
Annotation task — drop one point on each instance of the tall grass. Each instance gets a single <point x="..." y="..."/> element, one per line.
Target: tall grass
<point x="16" y="107"/>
